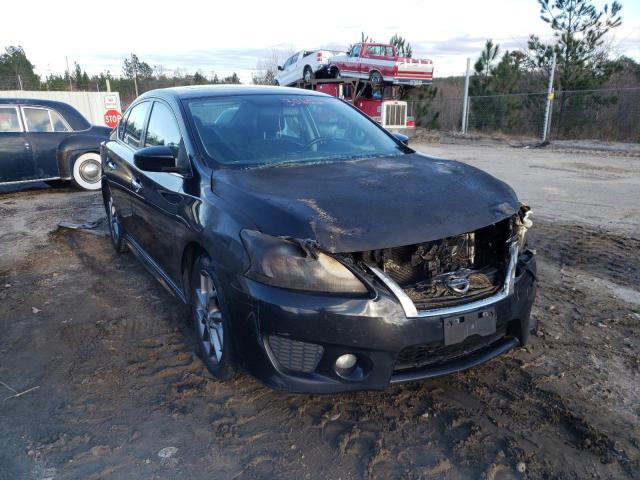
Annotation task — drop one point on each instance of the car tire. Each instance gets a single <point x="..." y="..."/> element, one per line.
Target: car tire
<point x="211" y="320"/>
<point x="335" y="72"/>
<point x="87" y="171"/>
<point x="307" y="74"/>
<point x="376" y="78"/>
<point x="115" y="227"/>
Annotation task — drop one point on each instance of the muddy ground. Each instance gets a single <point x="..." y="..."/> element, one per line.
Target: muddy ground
<point x="118" y="392"/>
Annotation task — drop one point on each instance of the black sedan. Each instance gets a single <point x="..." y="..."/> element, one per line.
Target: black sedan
<point x="317" y="250"/>
<point x="45" y="140"/>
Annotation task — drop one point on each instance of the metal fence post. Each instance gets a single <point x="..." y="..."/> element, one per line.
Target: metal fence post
<point x="465" y="105"/>
<point x="548" y="110"/>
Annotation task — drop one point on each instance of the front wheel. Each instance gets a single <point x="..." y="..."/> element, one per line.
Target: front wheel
<point x="211" y="320"/>
<point x="87" y="171"/>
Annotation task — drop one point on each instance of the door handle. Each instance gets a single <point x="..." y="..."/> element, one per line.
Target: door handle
<point x="111" y="164"/>
<point x="136" y="185"/>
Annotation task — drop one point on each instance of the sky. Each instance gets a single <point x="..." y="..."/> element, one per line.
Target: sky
<point x="231" y="36"/>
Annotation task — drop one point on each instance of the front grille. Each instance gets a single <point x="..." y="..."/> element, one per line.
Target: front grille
<point x="295" y="355"/>
<point x="436" y="353"/>
<point x="395" y="114"/>
<point x="449" y="271"/>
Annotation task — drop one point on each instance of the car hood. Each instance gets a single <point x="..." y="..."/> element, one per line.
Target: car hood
<point x="368" y="204"/>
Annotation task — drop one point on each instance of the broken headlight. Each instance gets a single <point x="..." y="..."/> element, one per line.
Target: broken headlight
<point x="298" y="266"/>
<point x="523" y="224"/>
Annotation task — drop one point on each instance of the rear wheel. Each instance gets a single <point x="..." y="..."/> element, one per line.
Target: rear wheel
<point x="87" y="171"/>
<point x="376" y="78"/>
<point x="211" y="320"/>
<point x="308" y="74"/>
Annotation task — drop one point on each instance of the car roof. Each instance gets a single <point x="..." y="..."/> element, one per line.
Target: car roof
<point x="200" y="91"/>
<point x="75" y="119"/>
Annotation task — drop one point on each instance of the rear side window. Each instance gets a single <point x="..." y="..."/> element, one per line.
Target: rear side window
<point x="58" y="123"/>
<point x="135" y="124"/>
<point x="9" y="120"/>
<point x="38" y="120"/>
<point x="163" y="128"/>
<point x="41" y="120"/>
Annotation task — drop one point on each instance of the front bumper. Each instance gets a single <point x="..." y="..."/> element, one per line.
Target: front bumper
<point x="375" y="330"/>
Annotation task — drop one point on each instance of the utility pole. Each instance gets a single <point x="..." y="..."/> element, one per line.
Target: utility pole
<point x="135" y="74"/>
<point x="550" y="95"/>
<point x="66" y="59"/>
<point x="465" y="106"/>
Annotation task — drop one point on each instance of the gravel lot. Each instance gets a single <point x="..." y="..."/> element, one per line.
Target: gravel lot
<point x="112" y="389"/>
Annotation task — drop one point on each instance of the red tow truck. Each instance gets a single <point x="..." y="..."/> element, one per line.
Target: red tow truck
<point x="380" y="102"/>
<point x="371" y="76"/>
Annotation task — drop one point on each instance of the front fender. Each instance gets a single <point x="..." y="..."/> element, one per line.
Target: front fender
<point x="74" y="146"/>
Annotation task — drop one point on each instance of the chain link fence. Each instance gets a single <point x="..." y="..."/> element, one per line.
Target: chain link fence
<point x="605" y="114"/>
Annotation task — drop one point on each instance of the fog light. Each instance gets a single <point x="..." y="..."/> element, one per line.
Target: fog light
<point x="346" y="362"/>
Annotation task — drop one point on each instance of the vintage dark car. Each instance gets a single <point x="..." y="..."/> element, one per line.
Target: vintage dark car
<point x="45" y="140"/>
<point x="317" y="251"/>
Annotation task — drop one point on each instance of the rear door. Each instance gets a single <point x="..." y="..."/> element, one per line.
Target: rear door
<point x="158" y="204"/>
<point x="45" y="131"/>
<point x="16" y="157"/>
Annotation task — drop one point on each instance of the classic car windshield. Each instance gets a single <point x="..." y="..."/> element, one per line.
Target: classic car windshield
<point x="265" y="130"/>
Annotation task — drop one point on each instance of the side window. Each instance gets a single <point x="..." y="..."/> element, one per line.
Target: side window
<point x="163" y="128"/>
<point x="355" y="51"/>
<point x="135" y="124"/>
<point x="9" y="120"/>
<point x="58" y="123"/>
<point x="37" y="120"/>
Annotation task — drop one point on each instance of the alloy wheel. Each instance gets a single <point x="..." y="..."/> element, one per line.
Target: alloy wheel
<point x="209" y="318"/>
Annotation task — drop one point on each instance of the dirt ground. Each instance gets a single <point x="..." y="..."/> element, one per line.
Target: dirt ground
<point x="114" y="390"/>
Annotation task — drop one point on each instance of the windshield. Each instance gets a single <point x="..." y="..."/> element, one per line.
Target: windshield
<point x="268" y="130"/>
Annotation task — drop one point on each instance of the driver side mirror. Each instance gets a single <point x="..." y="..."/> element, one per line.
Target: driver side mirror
<point x="280" y="68"/>
<point x="156" y="159"/>
<point x="401" y="138"/>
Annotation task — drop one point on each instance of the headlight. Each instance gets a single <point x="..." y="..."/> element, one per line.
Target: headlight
<point x="523" y="223"/>
<point x="285" y="264"/>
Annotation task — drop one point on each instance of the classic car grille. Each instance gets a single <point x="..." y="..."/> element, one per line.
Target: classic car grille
<point x="395" y="114"/>
<point x="295" y="355"/>
<point x="430" y="273"/>
<point x="432" y="354"/>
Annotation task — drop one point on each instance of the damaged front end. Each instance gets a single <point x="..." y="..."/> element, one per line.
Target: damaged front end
<point x="451" y="271"/>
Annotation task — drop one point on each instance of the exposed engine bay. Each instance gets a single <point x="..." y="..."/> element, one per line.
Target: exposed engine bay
<point x="452" y="270"/>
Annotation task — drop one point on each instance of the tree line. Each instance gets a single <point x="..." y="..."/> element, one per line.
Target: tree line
<point x="17" y="72"/>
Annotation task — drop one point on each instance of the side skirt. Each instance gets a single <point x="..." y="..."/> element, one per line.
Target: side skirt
<point x="155" y="269"/>
<point x="35" y="180"/>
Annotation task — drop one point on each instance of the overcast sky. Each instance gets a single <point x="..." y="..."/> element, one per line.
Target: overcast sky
<point x="232" y="35"/>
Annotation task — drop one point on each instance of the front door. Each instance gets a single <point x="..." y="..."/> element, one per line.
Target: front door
<point x="16" y="155"/>
<point x="161" y="199"/>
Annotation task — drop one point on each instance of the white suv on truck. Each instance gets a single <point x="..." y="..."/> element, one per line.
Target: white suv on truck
<point x="304" y="65"/>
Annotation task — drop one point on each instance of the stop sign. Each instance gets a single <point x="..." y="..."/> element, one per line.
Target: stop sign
<point x="111" y="118"/>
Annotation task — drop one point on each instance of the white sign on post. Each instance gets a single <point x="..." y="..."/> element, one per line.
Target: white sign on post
<point x="111" y="101"/>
